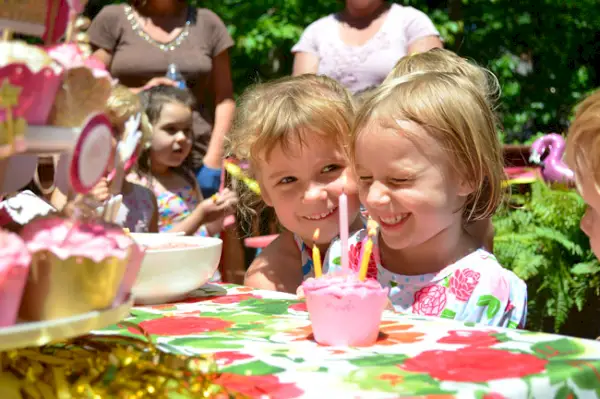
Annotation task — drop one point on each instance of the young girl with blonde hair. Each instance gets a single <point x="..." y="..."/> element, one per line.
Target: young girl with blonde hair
<point x="442" y="60"/>
<point x="138" y="211"/>
<point x="293" y="133"/>
<point x="583" y="156"/>
<point x="429" y="162"/>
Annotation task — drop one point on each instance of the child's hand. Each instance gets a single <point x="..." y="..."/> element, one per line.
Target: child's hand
<point x="100" y="192"/>
<point x="219" y="205"/>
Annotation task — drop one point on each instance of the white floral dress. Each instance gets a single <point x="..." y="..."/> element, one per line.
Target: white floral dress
<point x="475" y="289"/>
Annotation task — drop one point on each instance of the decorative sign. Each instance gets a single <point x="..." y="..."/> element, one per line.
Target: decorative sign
<point x="91" y="154"/>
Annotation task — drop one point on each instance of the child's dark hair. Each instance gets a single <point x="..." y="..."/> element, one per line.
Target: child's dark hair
<point x="153" y="100"/>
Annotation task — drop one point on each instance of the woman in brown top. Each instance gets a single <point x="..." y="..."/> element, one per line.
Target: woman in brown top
<point x="138" y="41"/>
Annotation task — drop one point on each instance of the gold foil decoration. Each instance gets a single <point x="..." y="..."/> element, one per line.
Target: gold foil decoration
<point x="99" y="366"/>
<point x="10" y="128"/>
<point x="81" y="94"/>
<point x="58" y="288"/>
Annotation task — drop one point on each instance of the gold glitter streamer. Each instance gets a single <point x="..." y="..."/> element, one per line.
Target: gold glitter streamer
<point x="99" y="366"/>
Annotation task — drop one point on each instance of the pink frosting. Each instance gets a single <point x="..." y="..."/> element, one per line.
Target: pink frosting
<point x="341" y="286"/>
<point x="70" y="56"/>
<point x="67" y="238"/>
<point x="13" y="252"/>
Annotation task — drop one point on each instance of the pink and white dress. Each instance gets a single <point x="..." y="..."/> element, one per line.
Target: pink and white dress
<point x="474" y="289"/>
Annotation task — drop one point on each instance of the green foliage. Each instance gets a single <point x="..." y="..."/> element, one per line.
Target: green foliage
<point x="544" y="52"/>
<point x="540" y="240"/>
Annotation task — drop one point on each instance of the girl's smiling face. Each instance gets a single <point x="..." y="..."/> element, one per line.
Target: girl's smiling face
<point x="410" y="189"/>
<point x="304" y="184"/>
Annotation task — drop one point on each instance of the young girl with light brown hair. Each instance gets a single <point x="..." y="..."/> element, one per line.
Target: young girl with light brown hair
<point x="428" y="163"/>
<point x="293" y="132"/>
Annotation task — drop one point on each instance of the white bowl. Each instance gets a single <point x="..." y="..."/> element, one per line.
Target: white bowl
<point x="170" y="274"/>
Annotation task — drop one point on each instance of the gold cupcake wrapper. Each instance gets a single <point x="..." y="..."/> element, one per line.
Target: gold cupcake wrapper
<point x="80" y="95"/>
<point x="58" y="288"/>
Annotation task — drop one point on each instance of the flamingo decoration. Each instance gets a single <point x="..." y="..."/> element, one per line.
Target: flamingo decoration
<point x="553" y="167"/>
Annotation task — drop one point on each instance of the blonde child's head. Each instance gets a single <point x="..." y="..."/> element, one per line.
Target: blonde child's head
<point x="583" y="156"/>
<point x="442" y="60"/>
<point x="121" y="105"/>
<point x="425" y="148"/>
<point x="294" y="131"/>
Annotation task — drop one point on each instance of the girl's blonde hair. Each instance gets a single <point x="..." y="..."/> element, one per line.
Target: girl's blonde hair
<point x="583" y="140"/>
<point x="442" y="60"/>
<point x="120" y="106"/>
<point x="454" y="112"/>
<point x="284" y="112"/>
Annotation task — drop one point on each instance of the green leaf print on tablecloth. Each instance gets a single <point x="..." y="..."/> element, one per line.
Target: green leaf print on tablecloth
<point x="492" y="303"/>
<point x="223" y="343"/>
<point x="268" y="307"/>
<point x="393" y="379"/>
<point x="565" y="393"/>
<point x="256" y="367"/>
<point x="381" y="359"/>
<point x="560" y="348"/>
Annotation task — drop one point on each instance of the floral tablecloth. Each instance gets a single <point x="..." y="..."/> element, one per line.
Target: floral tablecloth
<point x="262" y="342"/>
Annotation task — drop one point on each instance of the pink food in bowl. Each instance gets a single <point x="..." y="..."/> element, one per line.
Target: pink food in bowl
<point x="14" y="268"/>
<point x="345" y="311"/>
<point x="169" y="245"/>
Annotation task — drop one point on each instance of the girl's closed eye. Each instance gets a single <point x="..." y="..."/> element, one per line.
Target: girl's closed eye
<point x="286" y="180"/>
<point x="331" y="168"/>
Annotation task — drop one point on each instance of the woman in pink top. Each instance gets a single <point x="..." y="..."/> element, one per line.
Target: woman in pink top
<point x="360" y="45"/>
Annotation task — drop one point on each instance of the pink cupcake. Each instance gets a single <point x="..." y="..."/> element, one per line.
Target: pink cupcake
<point x="345" y="311"/>
<point x="14" y="266"/>
<point x="76" y="267"/>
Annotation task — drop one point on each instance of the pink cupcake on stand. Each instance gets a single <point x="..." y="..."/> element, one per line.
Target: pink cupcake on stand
<point x="14" y="268"/>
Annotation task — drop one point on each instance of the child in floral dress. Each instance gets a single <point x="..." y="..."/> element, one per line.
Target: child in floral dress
<point x="293" y="132"/>
<point x="429" y="162"/>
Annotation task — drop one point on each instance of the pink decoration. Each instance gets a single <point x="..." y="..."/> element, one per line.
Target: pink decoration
<point x="554" y="169"/>
<point x="430" y="300"/>
<point x="463" y="283"/>
<point x="70" y="56"/>
<point x="260" y="241"/>
<point x="343" y="310"/>
<point x="38" y="90"/>
<point x="57" y="19"/>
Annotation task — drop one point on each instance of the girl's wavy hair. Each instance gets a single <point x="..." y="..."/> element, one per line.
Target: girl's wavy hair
<point x="153" y="101"/>
<point x="442" y="60"/>
<point x="583" y="140"/>
<point x="284" y="112"/>
<point x="451" y="109"/>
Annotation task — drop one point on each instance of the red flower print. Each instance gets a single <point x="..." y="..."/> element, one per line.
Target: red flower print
<point x="298" y="307"/>
<point x="463" y="283"/>
<point x="354" y="259"/>
<point x="227" y="299"/>
<point x="509" y="307"/>
<point x="493" y="395"/>
<point x="182" y="325"/>
<point x="227" y="357"/>
<point x="474" y="364"/>
<point x="257" y="386"/>
<point x="471" y="338"/>
<point x="430" y="300"/>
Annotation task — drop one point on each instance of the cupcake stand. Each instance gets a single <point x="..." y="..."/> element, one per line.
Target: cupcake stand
<point x="63" y="277"/>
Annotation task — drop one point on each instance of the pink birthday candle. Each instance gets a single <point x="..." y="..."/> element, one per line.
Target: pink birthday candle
<point x="344" y="228"/>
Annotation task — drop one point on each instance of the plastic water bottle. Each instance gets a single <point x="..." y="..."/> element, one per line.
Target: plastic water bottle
<point x="174" y="74"/>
